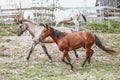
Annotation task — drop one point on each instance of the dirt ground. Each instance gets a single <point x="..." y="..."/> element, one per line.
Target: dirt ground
<point x="14" y="66"/>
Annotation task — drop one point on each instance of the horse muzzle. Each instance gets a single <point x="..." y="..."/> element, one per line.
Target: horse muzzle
<point x="19" y="33"/>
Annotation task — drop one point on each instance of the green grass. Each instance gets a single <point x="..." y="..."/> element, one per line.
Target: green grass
<point x="102" y="26"/>
<point x="41" y="70"/>
<point x="4" y="55"/>
<point x="8" y="30"/>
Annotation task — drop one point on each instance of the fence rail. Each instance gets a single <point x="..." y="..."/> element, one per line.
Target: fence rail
<point x="45" y="14"/>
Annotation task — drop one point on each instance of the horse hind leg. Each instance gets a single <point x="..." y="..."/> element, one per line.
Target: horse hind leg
<point x="45" y="50"/>
<point x="76" y="55"/>
<point x="56" y="24"/>
<point x="87" y="56"/>
<point x="89" y="60"/>
<point x="76" y="25"/>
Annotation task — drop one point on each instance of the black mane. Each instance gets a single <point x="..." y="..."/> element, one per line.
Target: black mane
<point x="56" y="32"/>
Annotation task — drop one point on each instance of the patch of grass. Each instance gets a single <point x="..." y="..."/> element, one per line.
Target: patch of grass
<point x="43" y="70"/>
<point x="8" y="30"/>
<point x="4" y="55"/>
<point x="4" y="40"/>
<point x="102" y="26"/>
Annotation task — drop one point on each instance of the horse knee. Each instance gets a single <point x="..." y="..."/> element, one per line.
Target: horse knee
<point x="62" y="60"/>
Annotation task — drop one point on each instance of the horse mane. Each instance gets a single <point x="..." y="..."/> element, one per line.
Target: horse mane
<point x="56" y="32"/>
<point x="29" y="21"/>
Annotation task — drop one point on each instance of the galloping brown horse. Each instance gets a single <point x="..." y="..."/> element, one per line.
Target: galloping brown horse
<point x="71" y="41"/>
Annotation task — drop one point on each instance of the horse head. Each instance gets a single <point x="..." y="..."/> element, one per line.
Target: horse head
<point x="21" y="28"/>
<point x="23" y="25"/>
<point x="45" y="32"/>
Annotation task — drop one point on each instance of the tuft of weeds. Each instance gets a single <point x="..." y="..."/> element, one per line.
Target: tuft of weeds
<point x="4" y="55"/>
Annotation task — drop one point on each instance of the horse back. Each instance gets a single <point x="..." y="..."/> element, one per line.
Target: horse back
<point x="87" y="36"/>
<point x="81" y="38"/>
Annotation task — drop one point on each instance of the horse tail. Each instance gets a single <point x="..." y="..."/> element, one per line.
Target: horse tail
<point x="99" y="44"/>
<point x="83" y="16"/>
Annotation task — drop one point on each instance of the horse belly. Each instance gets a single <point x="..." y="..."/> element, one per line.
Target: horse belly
<point x="75" y="42"/>
<point x="76" y="46"/>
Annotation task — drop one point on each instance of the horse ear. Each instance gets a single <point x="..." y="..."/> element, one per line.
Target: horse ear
<point x="46" y="25"/>
<point x="21" y="19"/>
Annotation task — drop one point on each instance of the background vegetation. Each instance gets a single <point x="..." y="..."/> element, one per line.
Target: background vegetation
<point x="8" y="29"/>
<point x="107" y="26"/>
<point x="102" y="27"/>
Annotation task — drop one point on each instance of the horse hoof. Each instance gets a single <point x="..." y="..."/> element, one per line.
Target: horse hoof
<point x="27" y="58"/>
<point x="50" y="61"/>
<point x="71" y="70"/>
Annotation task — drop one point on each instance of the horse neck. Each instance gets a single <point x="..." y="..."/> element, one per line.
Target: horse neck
<point x="56" y="38"/>
<point x="30" y="29"/>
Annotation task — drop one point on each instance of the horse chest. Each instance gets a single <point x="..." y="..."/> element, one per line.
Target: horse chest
<point x="63" y="45"/>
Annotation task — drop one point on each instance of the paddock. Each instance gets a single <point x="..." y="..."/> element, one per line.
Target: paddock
<point x="13" y="63"/>
<point x="14" y="49"/>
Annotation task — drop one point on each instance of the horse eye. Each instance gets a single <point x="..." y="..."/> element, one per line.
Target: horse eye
<point x="45" y="30"/>
<point x="20" y="26"/>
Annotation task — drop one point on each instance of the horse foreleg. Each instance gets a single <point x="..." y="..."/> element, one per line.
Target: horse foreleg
<point x="65" y="54"/>
<point x="76" y="55"/>
<point x="45" y="50"/>
<point x="30" y="52"/>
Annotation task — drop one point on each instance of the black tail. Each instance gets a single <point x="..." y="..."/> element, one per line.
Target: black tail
<point x="84" y="18"/>
<point x="99" y="44"/>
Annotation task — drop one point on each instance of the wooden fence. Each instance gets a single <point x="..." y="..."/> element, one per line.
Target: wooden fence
<point x="45" y="14"/>
<point x="99" y="13"/>
<point x="41" y="14"/>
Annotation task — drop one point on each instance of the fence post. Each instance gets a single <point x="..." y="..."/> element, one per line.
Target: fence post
<point x="2" y="21"/>
<point x="0" y="14"/>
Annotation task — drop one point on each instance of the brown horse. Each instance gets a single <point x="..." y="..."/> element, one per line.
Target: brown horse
<point x="70" y="41"/>
<point x="35" y="30"/>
